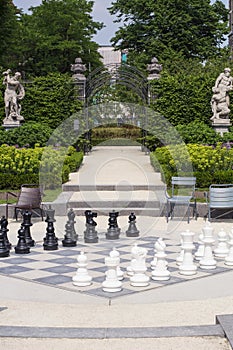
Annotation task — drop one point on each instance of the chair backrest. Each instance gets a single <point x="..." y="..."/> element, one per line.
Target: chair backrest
<point x="221" y="196"/>
<point x="183" y="185"/>
<point x="29" y="197"/>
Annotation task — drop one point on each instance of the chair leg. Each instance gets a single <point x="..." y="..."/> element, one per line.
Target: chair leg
<point x="167" y="213"/>
<point x="188" y="213"/>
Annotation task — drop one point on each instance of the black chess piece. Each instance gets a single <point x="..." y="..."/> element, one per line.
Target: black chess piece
<point x="50" y="240"/>
<point x="71" y="219"/>
<point x="22" y="247"/>
<point x="68" y="240"/>
<point x="132" y="229"/>
<point x="4" y="249"/>
<point x="90" y="234"/>
<point x="4" y="224"/>
<point x="113" y="231"/>
<point x="27" y="224"/>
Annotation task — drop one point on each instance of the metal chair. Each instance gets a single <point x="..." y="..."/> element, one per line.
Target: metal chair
<point x="220" y="200"/>
<point x="182" y="194"/>
<point x="29" y="198"/>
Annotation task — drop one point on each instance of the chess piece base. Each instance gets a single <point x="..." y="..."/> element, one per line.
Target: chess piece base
<point x="48" y="247"/>
<point x="69" y="244"/>
<point x="4" y="254"/>
<point x="139" y="280"/>
<point x="91" y="240"/>
<point x="186" y="271"/>
<point x="25" y="250"/>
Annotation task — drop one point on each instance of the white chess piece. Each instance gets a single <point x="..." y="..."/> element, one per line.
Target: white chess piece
<point x="82" y="278"/>
<point x="160" y="271"/>
<point x="200" y="250"/>
<point x="229" y="257"/>
<point x="187" y="267"/>
<point x="222" y="249"/>
<point x="180" y="257"/>
<point x="120" y="273"/>
<point x="129" y="268"/>
<point x="112" y="283"/>
<point x="139" y="278"/>
<point x="208" y="262"/>
<point x="154" y="261"/>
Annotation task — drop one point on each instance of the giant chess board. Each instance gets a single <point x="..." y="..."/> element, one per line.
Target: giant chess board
<point x="56" y="268"/>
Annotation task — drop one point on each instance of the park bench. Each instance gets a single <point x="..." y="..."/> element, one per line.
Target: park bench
<point x="220" y="199"/>
<point x="182" y="194"/>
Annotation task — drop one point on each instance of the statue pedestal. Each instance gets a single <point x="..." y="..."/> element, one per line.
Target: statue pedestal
<point x="10" y="123"/>
<point x="221" y="125"/>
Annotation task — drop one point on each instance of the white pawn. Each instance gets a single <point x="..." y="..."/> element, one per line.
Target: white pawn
<point x="208" y="262"/>
<point x="154" y="261"/>
<point x="160" y="272"/>
<point x="120" y="273"/>
<point x="180" y="257"/>
<point x="229" y="257"/>
<point x="129" y="268"/>
<point x="200" y="250"/>
<point x="139" y="278"/>
<point x="82" y="278"/>
<point x="112" y="283"/>
<point x="222" y="249"/>
<point x="187" y="267"/>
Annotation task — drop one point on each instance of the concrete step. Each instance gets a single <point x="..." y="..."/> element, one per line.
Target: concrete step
<point x="102" y="202"/>
<point x="115" y="198"/>
<point x="69" y="187"/>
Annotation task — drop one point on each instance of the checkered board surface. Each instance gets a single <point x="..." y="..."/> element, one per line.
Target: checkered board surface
<point x="56" y="268"/>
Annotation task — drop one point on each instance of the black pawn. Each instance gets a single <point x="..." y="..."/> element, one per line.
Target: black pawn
<point x="68" y="240"/>
<point x="50" y="240"/>
<point x="4" y="250"/>
<point x="90" y="234"/>
<point x="71" y="219"/>
<point x="113" y="231"/>
<point x="4" y="224"/>
<point x="132" y="229"/>
<point x="22" y="247"/>
<point x="27" y="224"/>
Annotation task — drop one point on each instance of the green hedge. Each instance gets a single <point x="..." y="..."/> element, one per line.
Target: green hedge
<point x="209" y="164"/>
<point x="47" y="166"/>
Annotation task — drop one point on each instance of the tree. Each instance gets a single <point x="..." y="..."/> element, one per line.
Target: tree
<point x="8" y="32"/>
<point x="193" y="28"/>
<point x="55" y="33"/>
<point x="50" y="100"/>
<point x="184" y="95"/>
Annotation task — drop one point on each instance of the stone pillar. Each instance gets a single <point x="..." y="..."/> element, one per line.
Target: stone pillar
<point x="154" y="69"/>
<point x="78" y="68"/>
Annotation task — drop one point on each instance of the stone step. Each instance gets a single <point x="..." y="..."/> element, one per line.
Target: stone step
<point x="111" y="187"/>
<point x="117" y="199"/>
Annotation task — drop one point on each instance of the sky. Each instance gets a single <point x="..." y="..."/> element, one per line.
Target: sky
<point x="100" y="14"/>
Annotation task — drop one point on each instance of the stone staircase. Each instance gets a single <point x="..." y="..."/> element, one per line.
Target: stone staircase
<point x="113" y="178"/>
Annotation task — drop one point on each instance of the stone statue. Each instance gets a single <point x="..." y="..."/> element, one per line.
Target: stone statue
<point x="220" y="100"/>
<point x="14" y="93"/>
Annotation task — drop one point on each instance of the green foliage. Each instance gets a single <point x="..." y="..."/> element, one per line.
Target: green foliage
<point x="8" y="33"/>
<point x="184" y="95"/>
<point x="192" y="28"/>
<point x="210" y="165"/>
<point x="50" y="100"/>
<point x="55" y="33"/>
<point x="29" y="135"/>
<point x="46" y="165"/>
<point x="198" y="132"/>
